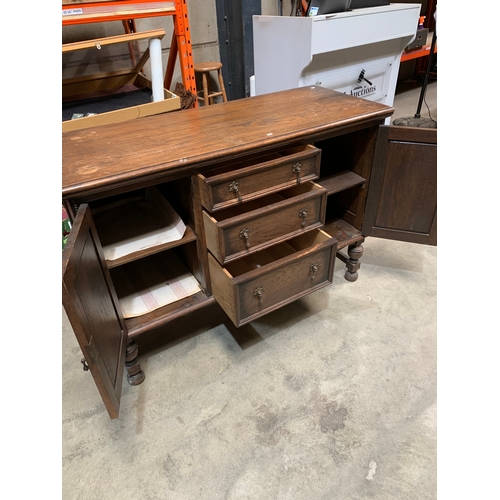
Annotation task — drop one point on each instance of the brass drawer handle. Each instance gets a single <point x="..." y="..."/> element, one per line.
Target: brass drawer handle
<point x="302" y="215"/>
<point x="244" y="233"/>
<point x="296" y="170"/>
<point x="234" y="188"/>
<point x="258" y="292"/>
<point x="313" y="269"/>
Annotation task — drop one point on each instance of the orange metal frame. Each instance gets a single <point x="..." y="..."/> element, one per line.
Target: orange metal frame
<point x="416" y="53"/>
<point x="181" y="37"/>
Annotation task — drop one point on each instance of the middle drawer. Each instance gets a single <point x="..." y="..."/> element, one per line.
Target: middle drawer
<point x="252" y="226"/>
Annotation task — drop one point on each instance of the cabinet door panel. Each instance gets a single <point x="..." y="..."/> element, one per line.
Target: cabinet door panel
<point x="93" y="309"/>
<point x="402" y="196"/>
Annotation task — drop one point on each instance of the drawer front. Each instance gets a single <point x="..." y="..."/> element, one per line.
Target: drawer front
<point x="263" y="290"/>
<point x="241" y="184"/>
<point x="264" y="227"/>
<point x="283" y="285"/>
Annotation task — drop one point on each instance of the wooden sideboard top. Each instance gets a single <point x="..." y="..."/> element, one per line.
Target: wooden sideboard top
<point x="110" y="156"/>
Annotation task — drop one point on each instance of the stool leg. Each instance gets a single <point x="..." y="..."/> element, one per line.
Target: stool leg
<point x="205" y="89"/>
<point x="222" y="88"/>
<point x="210" y="97"/>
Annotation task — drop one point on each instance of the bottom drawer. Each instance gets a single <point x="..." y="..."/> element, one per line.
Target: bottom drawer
<point x="262" y="282"/>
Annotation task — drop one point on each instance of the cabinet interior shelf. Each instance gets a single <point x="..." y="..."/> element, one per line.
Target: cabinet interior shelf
<point x="341" y="181"/>
<point x="343" y="232"/>
<point x="167" y="313"/>
<point x="188" y="237"/>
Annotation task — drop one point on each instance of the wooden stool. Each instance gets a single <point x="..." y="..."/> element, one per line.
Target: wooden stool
<point x="204" y="69"/>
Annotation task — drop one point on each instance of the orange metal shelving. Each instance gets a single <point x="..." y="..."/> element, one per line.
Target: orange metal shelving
<point x="127" y="11"/>
<point x="417" y="53"/>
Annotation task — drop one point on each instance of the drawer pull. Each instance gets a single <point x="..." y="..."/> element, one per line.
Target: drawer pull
<point x="244" y="233"/>
<point x="258" y="292"/>
<point x="233" y="188"/>
<point x="296" y="170"/>
<point x="313" y="269"/>
<point x="302" y="215"/>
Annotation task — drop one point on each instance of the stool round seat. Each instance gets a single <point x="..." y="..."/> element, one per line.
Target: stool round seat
<point x="207" y="66"/>
<point x="204" y="68"/>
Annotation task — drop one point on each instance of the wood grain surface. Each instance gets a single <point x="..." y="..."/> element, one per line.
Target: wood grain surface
<point x="120" y="154"/>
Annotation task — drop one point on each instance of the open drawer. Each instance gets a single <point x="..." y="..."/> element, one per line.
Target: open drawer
<point x="234" y="181"/>
<point x="260" y="283"/>
<point x="247" y="228"/>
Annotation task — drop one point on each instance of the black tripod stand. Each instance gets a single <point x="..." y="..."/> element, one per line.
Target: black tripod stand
<point x="417" y="120"/>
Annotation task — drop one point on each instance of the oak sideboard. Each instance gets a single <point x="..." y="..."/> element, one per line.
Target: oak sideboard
<point x="265" y="194"/>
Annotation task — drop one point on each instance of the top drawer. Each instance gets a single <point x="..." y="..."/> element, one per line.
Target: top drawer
<point x="237" y="181"/>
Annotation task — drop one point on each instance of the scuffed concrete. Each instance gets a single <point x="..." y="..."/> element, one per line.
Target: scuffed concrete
<point x="331" y="397"/>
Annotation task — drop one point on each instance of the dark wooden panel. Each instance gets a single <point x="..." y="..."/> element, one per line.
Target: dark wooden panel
<point x="406" y="190"/>
<point x="402" y="199"/>
<point x="93" y="310"/>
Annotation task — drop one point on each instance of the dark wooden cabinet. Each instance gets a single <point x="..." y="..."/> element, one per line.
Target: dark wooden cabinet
<point x="269" y="189"/>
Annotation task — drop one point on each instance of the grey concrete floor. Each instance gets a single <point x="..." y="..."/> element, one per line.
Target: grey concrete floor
<point x="407" y="98"/>
<point x="331" y="397"/>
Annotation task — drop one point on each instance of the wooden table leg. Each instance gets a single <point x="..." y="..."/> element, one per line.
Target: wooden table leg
<point x="135" y="375"/>
<point x="355" y="252"/>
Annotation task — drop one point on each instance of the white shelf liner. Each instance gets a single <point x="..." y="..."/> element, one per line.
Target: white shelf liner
<point x="138" y="225"/>
<point x="152" y="283"/>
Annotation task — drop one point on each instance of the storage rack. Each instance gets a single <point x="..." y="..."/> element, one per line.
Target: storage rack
<point x="78" y="12"/>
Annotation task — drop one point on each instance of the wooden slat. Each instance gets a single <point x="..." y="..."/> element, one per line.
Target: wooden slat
<point x="340" y="181"/>
<point x="112" y="40"/>
<point x="84" y="87"/>
<point x="188" y="236"/>
<point x="165" y="314"/>
<point x="87" y="12"/>
<point x="76" y="2"/>
<point x="343" y="232"/>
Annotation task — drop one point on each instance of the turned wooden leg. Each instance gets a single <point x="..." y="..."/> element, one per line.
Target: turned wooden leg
<point x="355" y="252"/>
<point x="135" y="375"/>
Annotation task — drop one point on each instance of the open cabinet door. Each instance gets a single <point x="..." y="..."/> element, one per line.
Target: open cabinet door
<point x="92" y="307"/>
<point x="402" y="196"/>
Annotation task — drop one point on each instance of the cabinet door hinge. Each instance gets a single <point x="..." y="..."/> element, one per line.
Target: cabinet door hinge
<point x="92" y="353"/>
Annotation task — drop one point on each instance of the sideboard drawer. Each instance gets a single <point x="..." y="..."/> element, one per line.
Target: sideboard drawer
<point x="235" y="182"/>
<point x="257" y="284"/>
<point x="250" y="227"/>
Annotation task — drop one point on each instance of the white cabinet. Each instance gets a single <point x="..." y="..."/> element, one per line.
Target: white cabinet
<point x="333" y="50"/>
